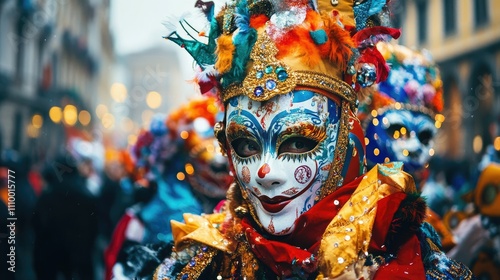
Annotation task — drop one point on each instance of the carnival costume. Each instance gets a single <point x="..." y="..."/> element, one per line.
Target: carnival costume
<point x="302" y="206"/>
<point x="478" y="231"/>
<point x="401" y="118"/>
<point x="179" y="157"/>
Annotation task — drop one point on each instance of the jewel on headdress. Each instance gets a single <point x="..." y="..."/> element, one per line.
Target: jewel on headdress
<point x="268" y="76"/>
<point x="366" y="75"/>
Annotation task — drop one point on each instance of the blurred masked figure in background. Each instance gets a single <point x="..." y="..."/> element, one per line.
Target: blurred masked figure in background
<point x="477" y="227"/>
<point x="401" y="117"/>
<point x="179" y="158"/>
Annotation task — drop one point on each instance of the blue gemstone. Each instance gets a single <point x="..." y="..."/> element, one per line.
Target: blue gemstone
<point x="258" y="91"/>
<point x="205" y="248"/>
<point x="192" y="263"/>
<point x="282" y="75"/>
<point x="259" y="74"/>
<point x="185" y="276"/>
<point x="270" y="84"/>
<point x="269" y="69"/>
<point x="279" y="69"/>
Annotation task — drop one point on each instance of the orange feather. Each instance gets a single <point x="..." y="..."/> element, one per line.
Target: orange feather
<point x="224" y="51"/>
<point x="257" y="21"/>
<point x="338" y="48"/>
<point x="297" y="42"/>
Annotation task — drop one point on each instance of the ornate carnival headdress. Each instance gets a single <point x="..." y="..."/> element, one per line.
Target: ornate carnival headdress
<point x="414" y="83"/>
<point x="262" y="48"/>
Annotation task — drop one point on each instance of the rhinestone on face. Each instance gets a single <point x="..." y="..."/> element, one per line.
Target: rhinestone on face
<point x="258" y="91"/>
<point x="341" y="260"/>
<point x="347" y="238"/>
<point x="336" y="202"/>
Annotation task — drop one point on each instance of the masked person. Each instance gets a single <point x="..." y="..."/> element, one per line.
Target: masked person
<point x="180" y="159"/>
<point x="401" y="118"/>
<point x="302" y="206"/>
<point x="477" y="228"/>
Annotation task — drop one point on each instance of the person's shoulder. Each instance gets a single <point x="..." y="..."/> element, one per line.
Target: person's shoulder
<point x="391" y="175"/>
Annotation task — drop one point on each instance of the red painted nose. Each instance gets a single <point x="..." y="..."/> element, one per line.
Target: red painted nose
<point x="264" y="169"/>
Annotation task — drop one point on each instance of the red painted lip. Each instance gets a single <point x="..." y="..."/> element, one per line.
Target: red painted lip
<point x="276" y="207"/>
<point x="277" y="203"/>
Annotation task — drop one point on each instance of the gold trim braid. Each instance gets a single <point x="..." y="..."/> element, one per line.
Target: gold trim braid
<point x="267" y="77"/>
<point x="335" y="179"/>
<point x="333" y="87"/>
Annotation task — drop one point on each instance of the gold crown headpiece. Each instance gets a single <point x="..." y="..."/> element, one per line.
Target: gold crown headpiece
<point x="262" y="48"/>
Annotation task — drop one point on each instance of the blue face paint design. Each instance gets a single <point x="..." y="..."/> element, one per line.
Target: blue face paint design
<point x="401" y="135"/>
<point x="282" y="150"/>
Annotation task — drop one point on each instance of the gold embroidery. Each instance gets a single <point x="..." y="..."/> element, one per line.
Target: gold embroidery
<point x="348" y="235"/>
<point x="198" y="264"/>
<point x="269" y="77"/>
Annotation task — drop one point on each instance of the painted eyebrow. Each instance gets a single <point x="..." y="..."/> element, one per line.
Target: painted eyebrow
<point x="307" y="129"/>
<point x="235" y="130"/>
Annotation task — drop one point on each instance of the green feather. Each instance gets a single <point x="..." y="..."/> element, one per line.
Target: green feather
<point x="243" y="47"/>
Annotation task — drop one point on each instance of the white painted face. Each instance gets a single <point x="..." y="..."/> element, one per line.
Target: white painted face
<point x="282" y="150"/>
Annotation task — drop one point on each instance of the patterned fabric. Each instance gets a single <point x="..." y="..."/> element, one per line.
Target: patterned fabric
<point x="215" y="246"/>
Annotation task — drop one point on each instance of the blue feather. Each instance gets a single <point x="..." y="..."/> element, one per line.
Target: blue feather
<point x="242" y="17"/>
<point x="376" y="6"/>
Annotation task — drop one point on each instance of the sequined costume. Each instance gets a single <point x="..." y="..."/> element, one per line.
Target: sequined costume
<point x="302" y="206"/>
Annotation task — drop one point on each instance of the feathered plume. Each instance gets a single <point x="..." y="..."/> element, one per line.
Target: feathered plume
<point x="367" y="9"/>
<point x="202" y="53"/>
<point x="207" y="8"/>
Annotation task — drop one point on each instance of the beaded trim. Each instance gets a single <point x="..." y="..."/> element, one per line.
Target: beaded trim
<point x="336" y="87"/>
<point x="198" y="264"/>
<point x="335" y="179"/>
<point x="269" y="77"/>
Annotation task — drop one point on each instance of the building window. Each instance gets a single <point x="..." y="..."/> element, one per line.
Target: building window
<point x="480" y="12"/>
<point x="422" y="21"/>
<point x="450" y="16"/>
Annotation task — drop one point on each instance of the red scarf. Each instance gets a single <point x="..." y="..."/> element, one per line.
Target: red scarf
<point x="298" y="250"/>
<point x="302" y="243"/>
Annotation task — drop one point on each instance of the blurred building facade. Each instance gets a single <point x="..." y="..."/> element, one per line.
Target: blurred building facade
<point x="148" y="82"/>
<point x="55" y="59"/>
<point x="464" y="38"/>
